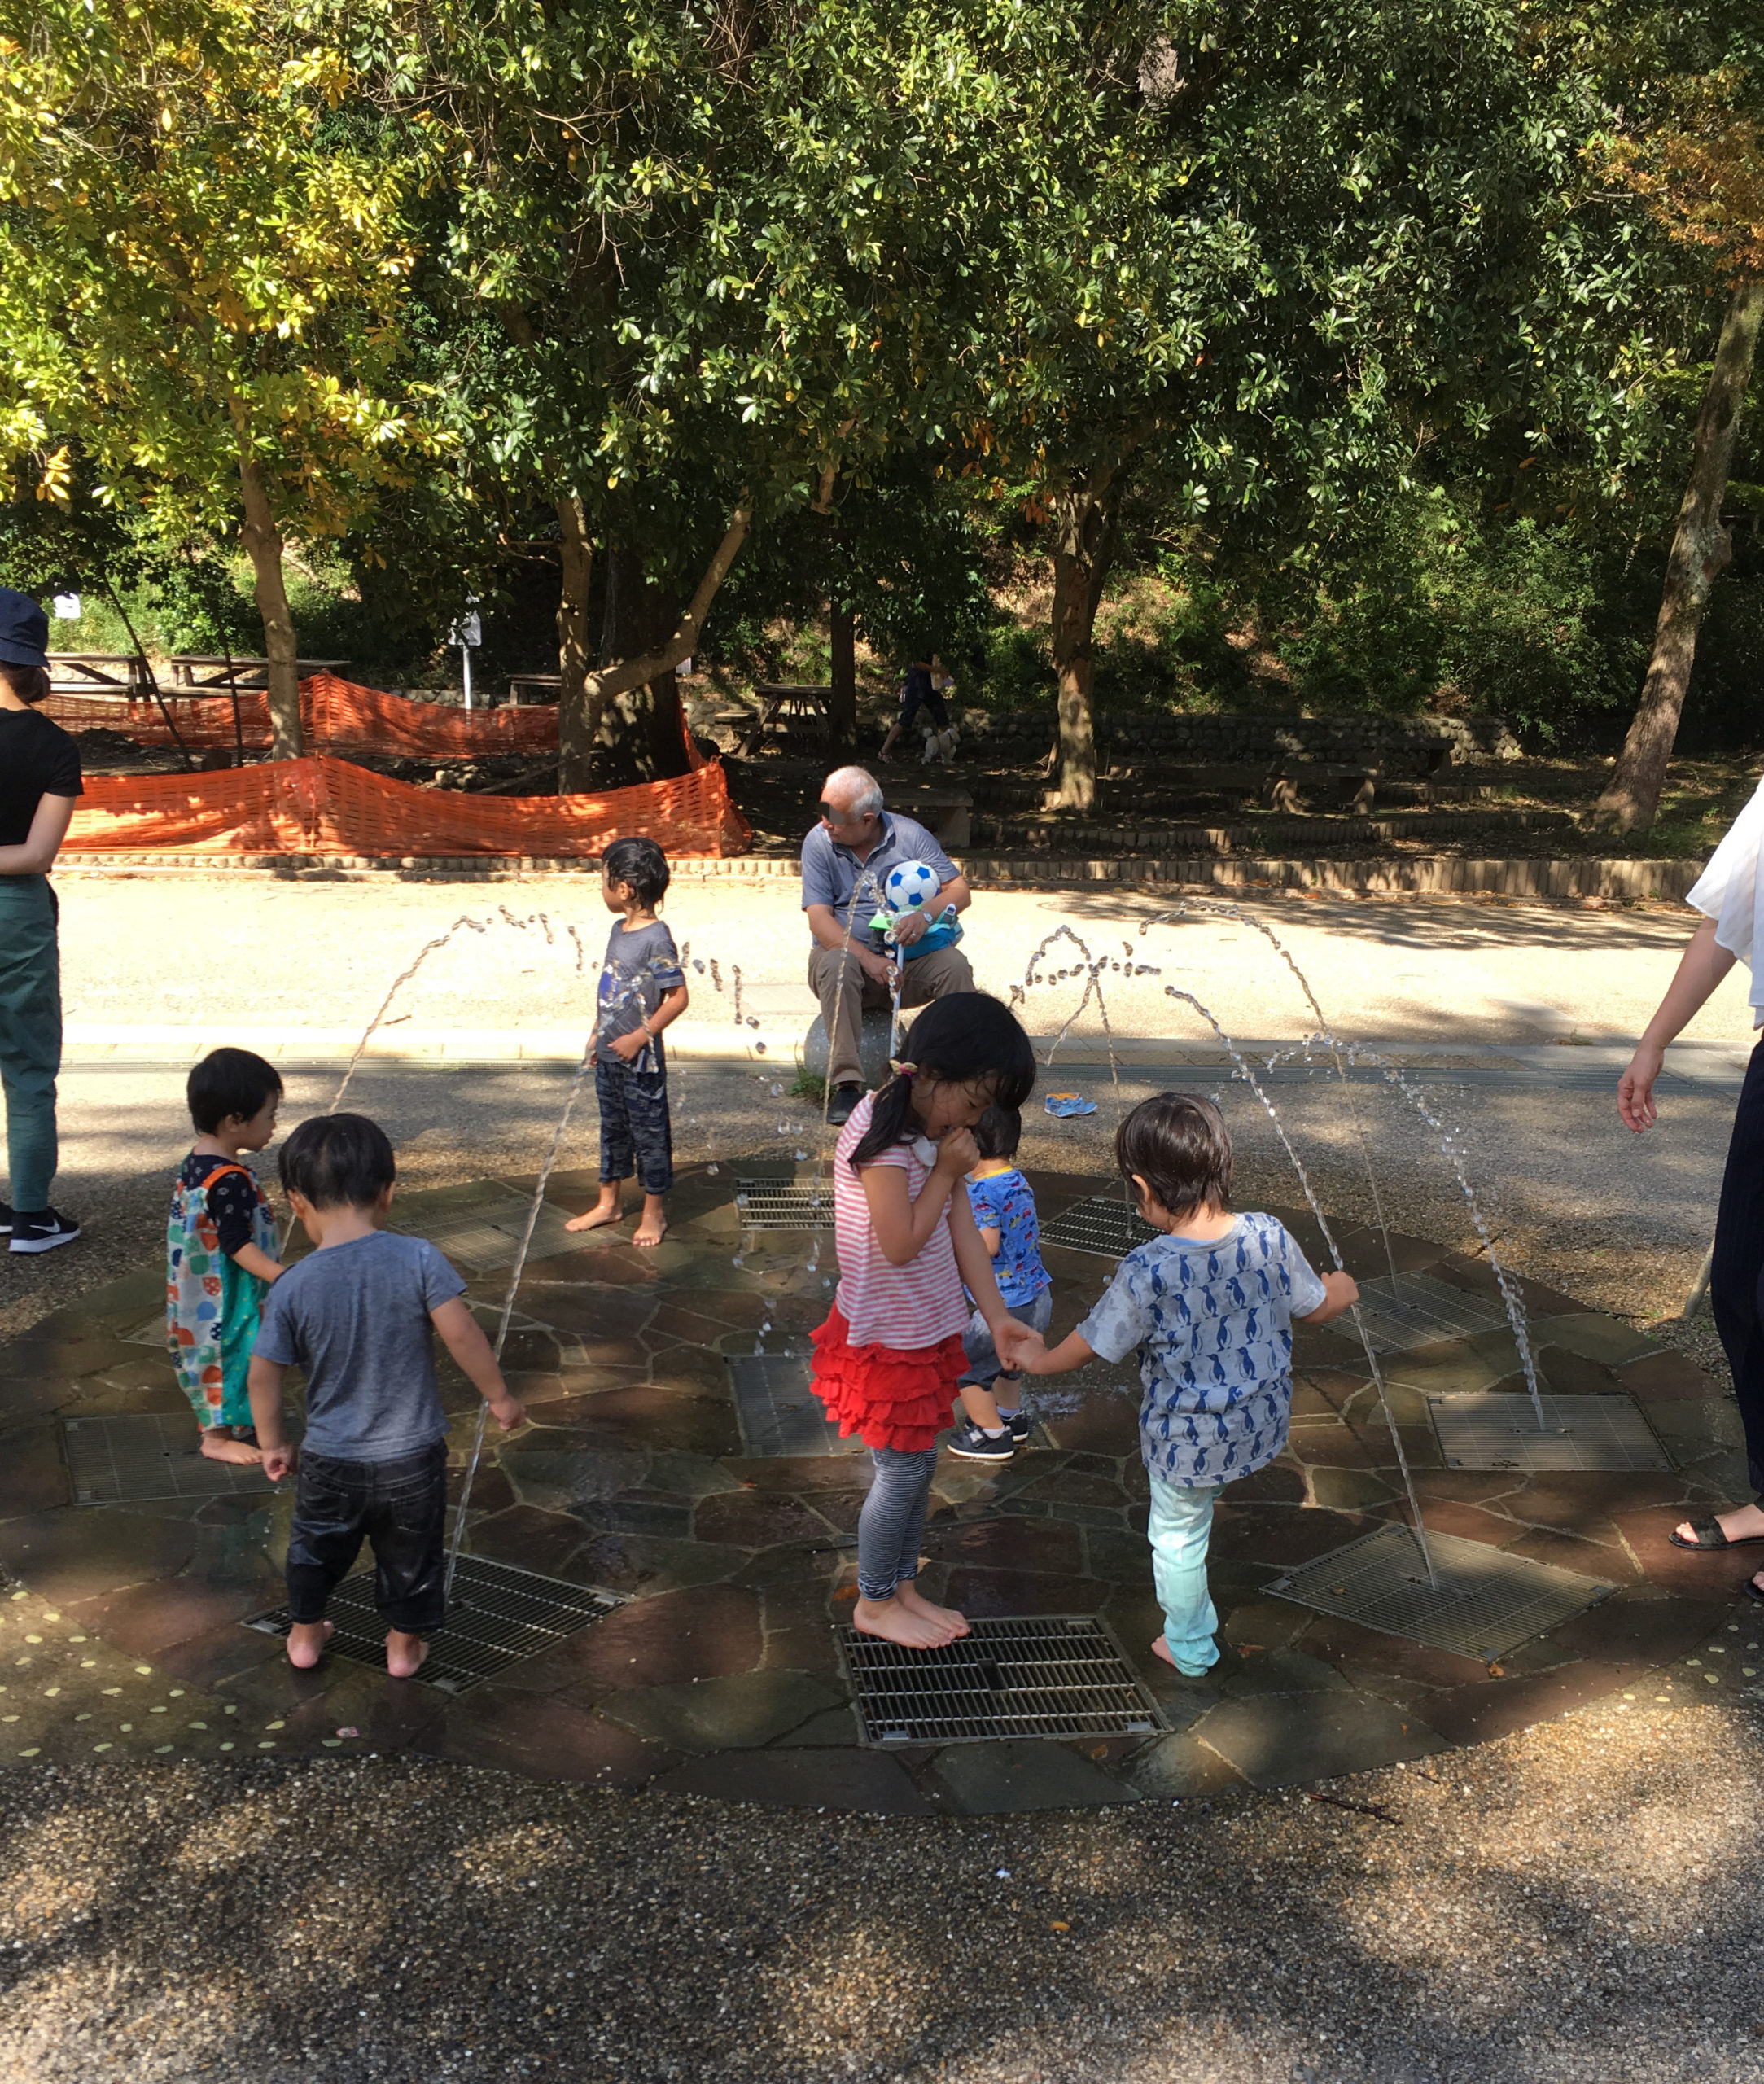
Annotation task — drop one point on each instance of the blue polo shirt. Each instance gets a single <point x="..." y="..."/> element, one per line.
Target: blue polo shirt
<point x="831" y="872"/>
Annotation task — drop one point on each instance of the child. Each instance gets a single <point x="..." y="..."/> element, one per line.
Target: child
<point x="1210" y="1306"/>
<point x="642" y="988"/>
<point x="1004" y="1214"/>
<point x="357" y="1316"/>
<point x="221" y="1248"/>
<point x="887" y="1359"/>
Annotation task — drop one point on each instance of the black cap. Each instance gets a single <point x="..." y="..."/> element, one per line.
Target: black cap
<point x="24" y="630"/>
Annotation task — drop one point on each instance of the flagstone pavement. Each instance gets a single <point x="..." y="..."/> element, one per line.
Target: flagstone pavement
<point x="123" y="1632"/>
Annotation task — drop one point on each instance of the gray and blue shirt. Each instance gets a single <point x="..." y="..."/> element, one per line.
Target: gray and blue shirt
<point x="831" y="872"/>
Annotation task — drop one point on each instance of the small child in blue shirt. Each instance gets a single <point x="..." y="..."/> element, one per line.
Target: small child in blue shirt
<point x="1210" y="1305"/>
<point x="1004" y="1214"/>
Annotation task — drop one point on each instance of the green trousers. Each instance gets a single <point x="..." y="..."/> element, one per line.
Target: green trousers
<point x="30" y="1035"/>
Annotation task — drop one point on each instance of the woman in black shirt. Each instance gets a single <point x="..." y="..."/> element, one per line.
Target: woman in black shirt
<point x="39" y="782"/>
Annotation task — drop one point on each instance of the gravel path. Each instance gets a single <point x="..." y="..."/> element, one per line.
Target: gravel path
<point x="1545" y="1908"/>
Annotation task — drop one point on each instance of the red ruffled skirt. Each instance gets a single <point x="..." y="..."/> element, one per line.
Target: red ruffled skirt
<point x="888" y="1397"/>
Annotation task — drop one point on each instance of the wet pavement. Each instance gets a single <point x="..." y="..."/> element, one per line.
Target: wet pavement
<point x="719" y="1673"/>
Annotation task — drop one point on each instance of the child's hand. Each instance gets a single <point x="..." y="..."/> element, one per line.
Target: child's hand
<point x="509" y="1413"/>
<point x="958" y="1152"/>
<point x="1341" y="1292"/>
<point x="626" y="1047"/>
<point x="279" y="1462"/>
<point x="1017" y="1346"/>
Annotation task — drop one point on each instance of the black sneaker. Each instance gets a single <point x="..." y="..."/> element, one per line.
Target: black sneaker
<point x="843" y="1105"/>
<point x="5" y="1219"/>
<point x="972" y="1443"/>
<point x="41" y="1231"/>
<point x="1019" y="1424"/>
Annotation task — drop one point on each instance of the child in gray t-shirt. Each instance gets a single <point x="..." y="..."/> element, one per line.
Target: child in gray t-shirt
<point x="642" y="988"/>
<point x="1209" y="1307"/>
<point x="359" y="1315"/>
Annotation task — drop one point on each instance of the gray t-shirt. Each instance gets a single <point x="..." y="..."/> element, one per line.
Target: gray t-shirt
<point x="356" y="1317"/>
<point x="831" y="872"/>
<point x="642" y="966"/>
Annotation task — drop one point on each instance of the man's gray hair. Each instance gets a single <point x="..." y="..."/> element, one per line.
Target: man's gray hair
<point x="857" y="787"/>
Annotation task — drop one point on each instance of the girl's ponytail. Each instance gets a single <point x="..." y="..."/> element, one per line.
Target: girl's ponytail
<point x="963" y="1039"/>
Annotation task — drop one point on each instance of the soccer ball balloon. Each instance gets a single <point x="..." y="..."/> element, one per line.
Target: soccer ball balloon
<point x="909" y="887"/>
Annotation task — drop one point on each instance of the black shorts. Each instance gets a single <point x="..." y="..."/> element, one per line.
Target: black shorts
<point x="913" y="699"/>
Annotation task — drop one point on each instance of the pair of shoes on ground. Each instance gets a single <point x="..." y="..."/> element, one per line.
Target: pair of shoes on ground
<point x="972" y="1443"/>
<point x="39" y="1231"/>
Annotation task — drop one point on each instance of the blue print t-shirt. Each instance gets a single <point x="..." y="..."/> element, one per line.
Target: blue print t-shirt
<point x="1213" y="1323"/>
<point x="1002" y="1201"/>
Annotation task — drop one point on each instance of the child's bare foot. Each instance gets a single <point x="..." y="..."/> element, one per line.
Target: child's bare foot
<point x="218" y="1445"/>
<point x="896" y="1623"/>
<point x="404" y="1654"/>
<point x="653" y="1227"/>
<point x="946" y="1617"/>
<point x="1160" y="1648"/>
<point x="603" y="1212"/>
<point x="306" y="1643"/>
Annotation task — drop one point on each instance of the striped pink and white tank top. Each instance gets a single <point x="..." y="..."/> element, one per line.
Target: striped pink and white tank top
<point x="904" y="1307"/>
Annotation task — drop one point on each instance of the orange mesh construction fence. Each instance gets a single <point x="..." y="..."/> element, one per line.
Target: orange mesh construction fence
<point x="336" y="715"/>
<point x="321" y="805"/>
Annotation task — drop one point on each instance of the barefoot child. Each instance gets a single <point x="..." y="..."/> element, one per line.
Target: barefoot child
<point x="1004" y="1214"/>
<point x="356" y="1314"/>
<point x="1210" y="1305"/>
<point x="221" y="1248"/>
<point x="887" y="1359"/>
<point x="642" y="988"/>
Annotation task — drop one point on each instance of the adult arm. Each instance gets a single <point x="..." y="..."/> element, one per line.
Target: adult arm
<point x="955" y="892"/>
<point x="36" y="855"/>
<point x="823" y="923"/>
<point x="1700" y="969"/>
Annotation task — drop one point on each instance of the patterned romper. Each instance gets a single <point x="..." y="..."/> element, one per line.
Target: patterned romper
<point x="213" y="1307"/>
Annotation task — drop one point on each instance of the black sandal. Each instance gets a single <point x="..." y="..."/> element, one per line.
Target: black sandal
<point x="1710" y="1536"/>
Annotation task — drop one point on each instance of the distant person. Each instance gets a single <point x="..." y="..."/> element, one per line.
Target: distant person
<point x="1728" y="893"/>
<point x="221" y="1248"/>
<point x="359" y="1314"/>
<point x="642" y="990"/>
<point x="39" y="786"/>
<point x="1209" y="1307"/>
<point x="844" y="860"/>
<point x="1004" y="1209"/>
<point x="922" y="687"/>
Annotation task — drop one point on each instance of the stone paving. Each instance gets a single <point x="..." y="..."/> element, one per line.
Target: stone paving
<point x="720" y="1676"/>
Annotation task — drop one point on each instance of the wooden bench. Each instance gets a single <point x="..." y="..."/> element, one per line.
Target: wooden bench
<point x="200" y="673"/>
<point x="93" y="672"/>
<point x="947" y="814"/>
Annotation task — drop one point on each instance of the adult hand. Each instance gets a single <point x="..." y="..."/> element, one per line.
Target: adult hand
<point x="627" y="1047"/>
<point x="874" y="966"/>
<point x="958" y="1152"/>
<point x="911" y="926"/>
<point x="1635" y="1088"/>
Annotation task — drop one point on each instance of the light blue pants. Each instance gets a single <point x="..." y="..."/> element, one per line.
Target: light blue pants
<point x="1180" y="1526"/>
<point x="30" y="1035"/>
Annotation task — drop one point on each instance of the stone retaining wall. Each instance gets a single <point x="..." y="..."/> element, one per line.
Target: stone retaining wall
<point x="1401" y="744"/>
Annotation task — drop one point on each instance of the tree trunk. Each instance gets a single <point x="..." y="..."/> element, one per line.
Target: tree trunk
<point x="841" y="706"/>
<point x="263" y="544"/>
<point x="575" y="730"/>
<point x="1084" y="549"/>
<point x="1701" y="550"/>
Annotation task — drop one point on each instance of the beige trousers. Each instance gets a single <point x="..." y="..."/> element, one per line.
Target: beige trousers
<point x="930" y="977"/>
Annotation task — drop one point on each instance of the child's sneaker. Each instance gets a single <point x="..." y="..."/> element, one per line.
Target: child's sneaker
<point x="972" y="1443"/>
<point x="43" y="1232"/>
<point x="5" y="1219"/>
<point x="1018" y="1423"/>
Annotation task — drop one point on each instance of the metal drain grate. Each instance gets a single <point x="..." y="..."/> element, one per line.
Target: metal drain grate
<point x="1417" y="1310"/>
<point x="1498" y="1429"/>
<point x="114" y="1461"/>
<point x="1487" y="1602"/>
<point x="1053" y="1675"/>
<point x="498" y="1614"/>
<point x="785" y="1204"/>
<point x="490" y="1237"/>
<point x="1102" y="1224"/>
<point x="777" y="1411"/>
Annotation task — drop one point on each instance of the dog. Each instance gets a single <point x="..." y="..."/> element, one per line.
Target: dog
<point x="940" y="746"/>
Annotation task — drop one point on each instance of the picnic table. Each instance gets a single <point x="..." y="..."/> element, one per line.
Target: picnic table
<point x="86" y="672"/>
<point x="196" y="670"/>
<point x="781" y="702"/>
<point x="546" y="687"/>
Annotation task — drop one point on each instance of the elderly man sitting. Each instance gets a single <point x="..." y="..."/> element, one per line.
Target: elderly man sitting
<point x="845" y="859"/>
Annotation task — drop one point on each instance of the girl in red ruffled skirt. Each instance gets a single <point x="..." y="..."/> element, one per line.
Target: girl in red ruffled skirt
<point x="887" y="1360"/>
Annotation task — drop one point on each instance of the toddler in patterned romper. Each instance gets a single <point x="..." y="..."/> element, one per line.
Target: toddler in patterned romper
<point x="1210" y="1305"/>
